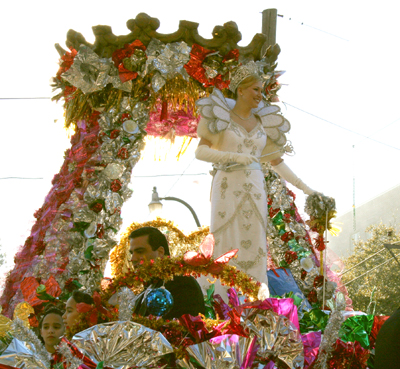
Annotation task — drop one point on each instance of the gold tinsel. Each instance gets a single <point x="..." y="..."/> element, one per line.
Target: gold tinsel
<point x="168" y="267"/>
<point x="179" y="243"/>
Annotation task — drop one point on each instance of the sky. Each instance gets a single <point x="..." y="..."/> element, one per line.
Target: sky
<point x="341" y="85"/>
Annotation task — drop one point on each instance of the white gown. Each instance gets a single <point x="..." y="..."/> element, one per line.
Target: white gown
<point x="239" y="204"/>
<point x="239" y="208"/>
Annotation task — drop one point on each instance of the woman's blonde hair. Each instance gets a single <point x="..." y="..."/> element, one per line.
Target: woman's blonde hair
<point x="247" y="82"/>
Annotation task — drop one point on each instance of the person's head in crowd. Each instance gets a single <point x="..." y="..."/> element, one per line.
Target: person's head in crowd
<point x="52" y="328"/>
<point x="147" y="243"/>
<point x="71" y="313"/>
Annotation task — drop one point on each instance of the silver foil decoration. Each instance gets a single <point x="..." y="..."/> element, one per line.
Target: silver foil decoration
<point x="277" y="336"/>
<point x="317" y="205"/>
<point x="223" y="352"/>
<point x="122" y="344"/>
<point x="85" y="215"/>
<point x="168" y="60"/>
<point x="113" y="171"/>
<point x="113" y="201"/>
<point x="22" y="355"/>
<point x="88" y="72"/>
<point x="23" y="333"/>
<point x="91" y="73"/>
<point x="126" y="303"/>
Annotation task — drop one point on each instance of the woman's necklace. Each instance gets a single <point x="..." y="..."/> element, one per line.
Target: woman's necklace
<point x="251" y="114"/>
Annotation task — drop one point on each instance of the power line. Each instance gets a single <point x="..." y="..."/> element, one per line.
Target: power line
<point x="344" y="128"/>
<point x="19" y="178"/>
<point x="158" y="175"/>
<point x="180" y="177"/>
<point x="317" y="29"/>
<point x="379" y="130"/>
<point x="25" y="98"/>
<point x="173" y="175"/>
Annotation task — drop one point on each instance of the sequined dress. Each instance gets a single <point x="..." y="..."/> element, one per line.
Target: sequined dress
<point x="239" y="204"/>
<point x="239" y="208"/>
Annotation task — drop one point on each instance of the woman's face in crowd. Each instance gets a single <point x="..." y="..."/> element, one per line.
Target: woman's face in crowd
<point x="52" y="330"/>
<point x="71" y="314"/>
<point x="251" y="95"/>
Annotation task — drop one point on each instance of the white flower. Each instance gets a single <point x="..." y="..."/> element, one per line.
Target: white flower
<point x="263" y="292"/>
<point x="130" y="126"/>
<point x="114" y="171"/>
<point x="307" y="264"/>
<point x="91" y="230"/>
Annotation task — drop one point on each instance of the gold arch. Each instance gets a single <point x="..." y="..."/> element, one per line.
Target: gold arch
<point x="178" y="242"/>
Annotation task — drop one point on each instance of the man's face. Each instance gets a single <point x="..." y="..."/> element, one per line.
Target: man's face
<point x="141" y="250"/>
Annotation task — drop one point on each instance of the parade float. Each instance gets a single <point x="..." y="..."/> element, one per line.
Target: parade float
<point x="118" y="91"/>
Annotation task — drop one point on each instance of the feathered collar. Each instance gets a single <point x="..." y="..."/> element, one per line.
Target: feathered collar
<point x="216" y="110"/>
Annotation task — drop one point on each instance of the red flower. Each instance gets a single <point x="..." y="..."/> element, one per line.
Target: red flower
<point x="100" y="230"/>
<point x="273" y="212"/>
<point x="125" y="116"/>
<point x="287" y="218"/>
<point x="196" y="70"/>
<point x="318" y="281"/>
<point x="123" y="153"/>
<point x="312" y="297"/>
<point x="319" y="243"/>
<point x="95" y="310"/>
<point x="119" y="55"/>
<point x="114" y="133"/>
<point x="290" y="256"/>
<point x="96" y="207"/>
<point x="66" y="63"/>
<point x="287" y="236"/>
<point x="303" y="275"/>
<point x="116" y="185"/>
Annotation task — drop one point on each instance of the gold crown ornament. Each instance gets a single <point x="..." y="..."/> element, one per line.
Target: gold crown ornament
<point x="242" y="72"/>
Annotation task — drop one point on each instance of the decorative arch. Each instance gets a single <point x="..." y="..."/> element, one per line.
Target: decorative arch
<point x="116" y="91"/>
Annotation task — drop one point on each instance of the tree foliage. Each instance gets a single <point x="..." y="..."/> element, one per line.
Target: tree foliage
<point x="379" y="290"/>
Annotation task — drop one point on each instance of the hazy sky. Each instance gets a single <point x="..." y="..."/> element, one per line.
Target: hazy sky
<point x="342" y="65"/>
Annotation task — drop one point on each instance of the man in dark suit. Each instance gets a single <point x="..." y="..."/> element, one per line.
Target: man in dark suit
<point x="148" y="243"/>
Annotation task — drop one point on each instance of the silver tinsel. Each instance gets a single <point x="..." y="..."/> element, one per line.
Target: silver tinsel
<point x="126" y="303"/>
<point x="23" y="333"/>
<point x="331" y="332"/>
<point x="72" y="361"/>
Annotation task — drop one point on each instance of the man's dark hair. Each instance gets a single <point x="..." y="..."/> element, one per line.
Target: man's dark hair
<point x="155" y="238"/>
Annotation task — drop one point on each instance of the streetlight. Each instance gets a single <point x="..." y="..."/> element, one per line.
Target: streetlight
<point x="156" y="205"/>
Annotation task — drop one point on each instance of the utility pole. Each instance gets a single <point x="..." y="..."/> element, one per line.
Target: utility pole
<point x="269" y="17"/>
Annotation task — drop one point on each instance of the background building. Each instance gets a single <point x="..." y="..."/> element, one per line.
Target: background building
<point x="384" y="208"/>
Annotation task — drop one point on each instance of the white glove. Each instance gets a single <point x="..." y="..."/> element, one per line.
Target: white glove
<point x="286" y="173"/>
<point x="210" y="155"/>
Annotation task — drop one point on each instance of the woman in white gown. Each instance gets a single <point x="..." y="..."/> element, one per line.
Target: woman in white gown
<point x="236" y="136"/>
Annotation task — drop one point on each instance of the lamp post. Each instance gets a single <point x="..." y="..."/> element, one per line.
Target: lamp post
<point x="156" y="205"/>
